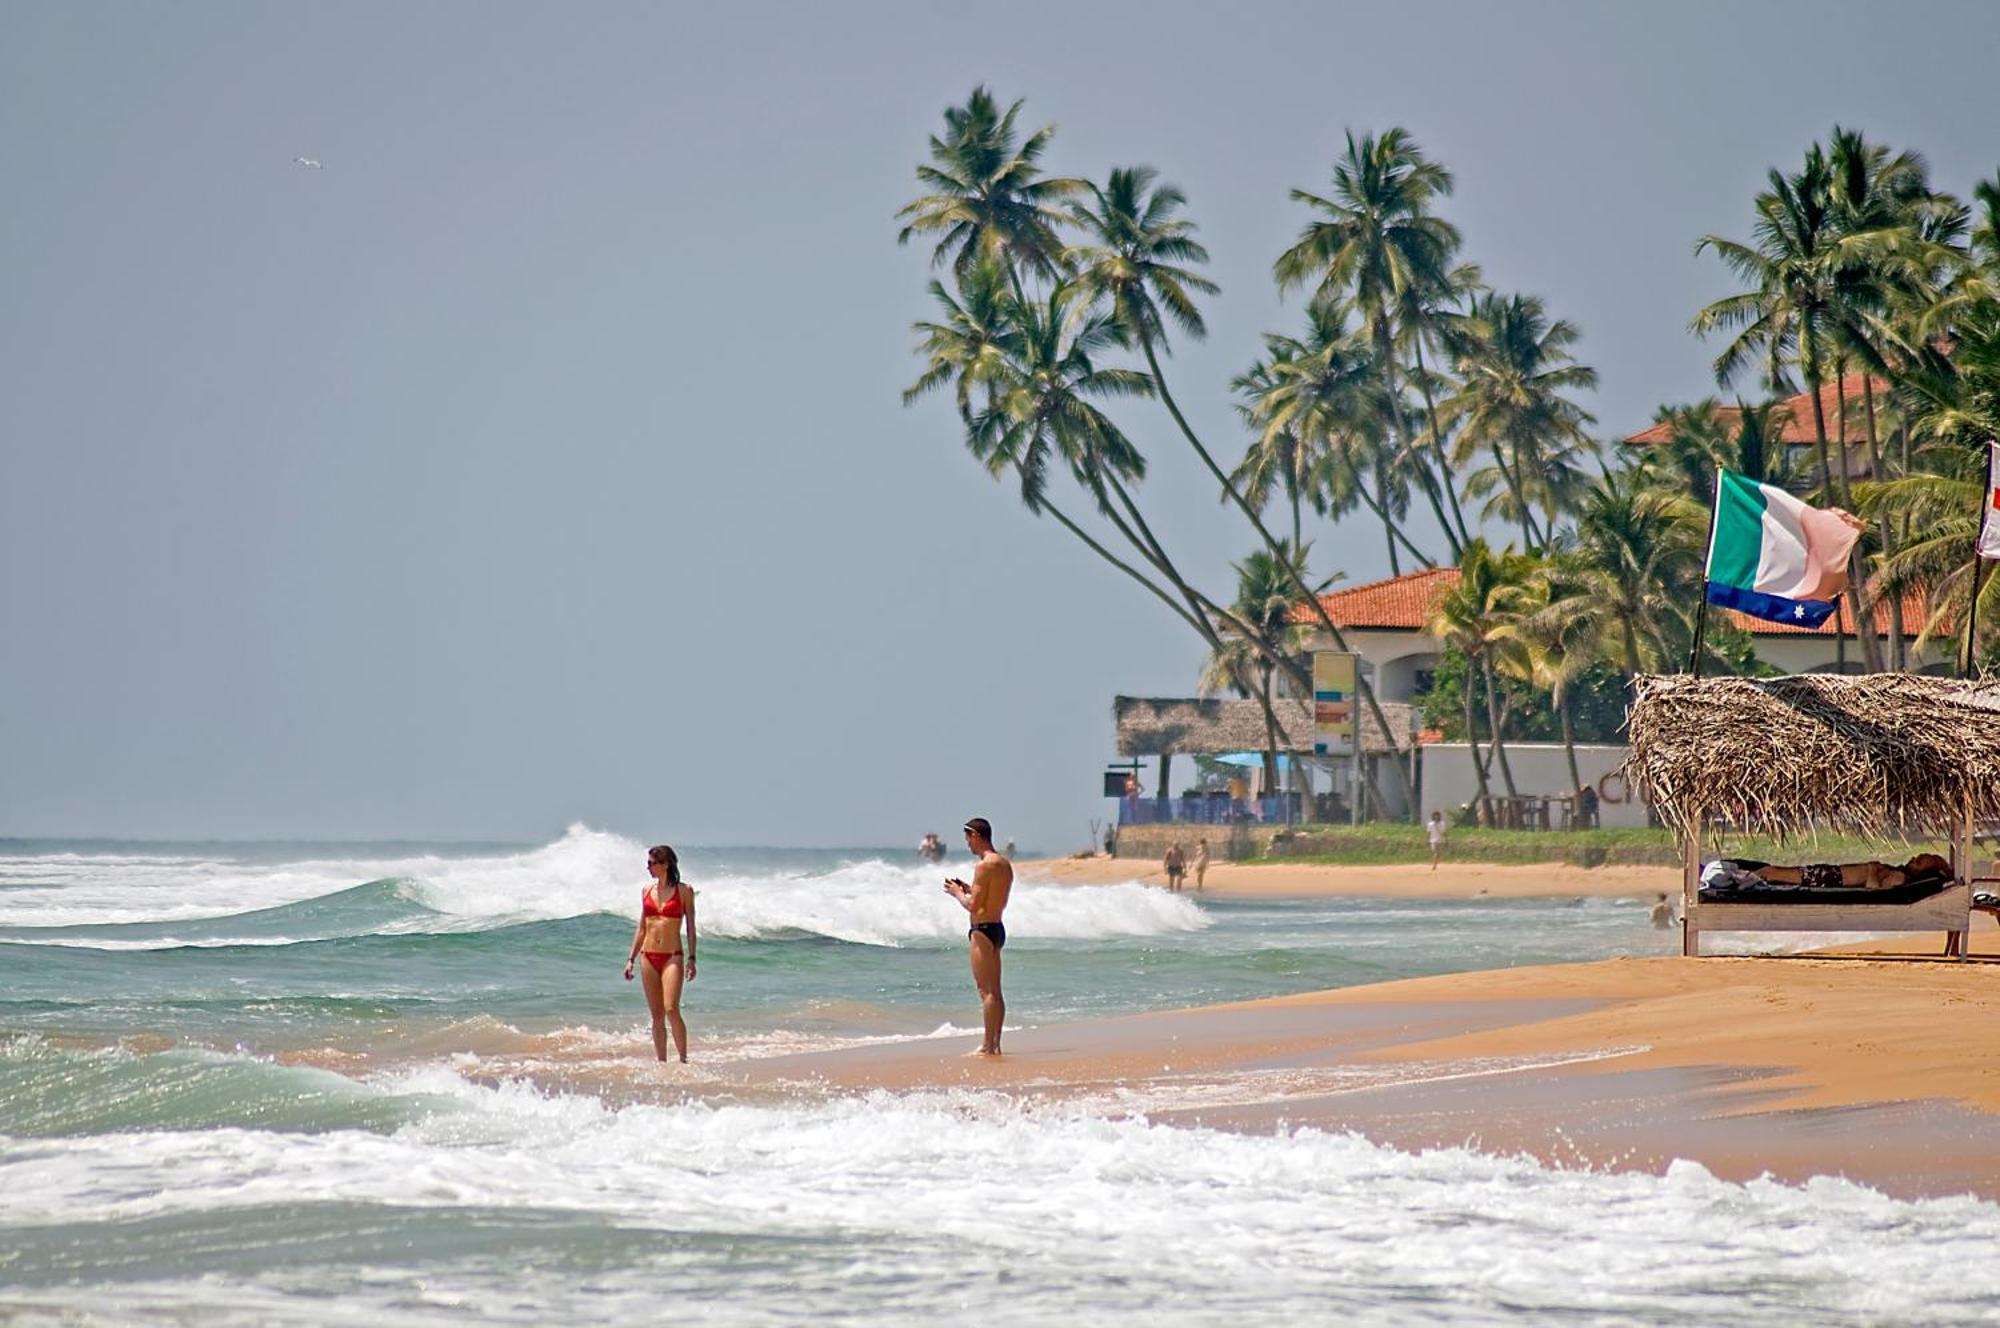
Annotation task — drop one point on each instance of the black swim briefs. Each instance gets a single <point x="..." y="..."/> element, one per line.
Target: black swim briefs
<point x="995" y="932"/>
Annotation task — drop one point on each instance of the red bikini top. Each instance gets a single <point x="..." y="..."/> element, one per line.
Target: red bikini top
<point x="651" y="909"/>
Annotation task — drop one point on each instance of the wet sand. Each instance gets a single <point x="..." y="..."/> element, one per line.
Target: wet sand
<point x="1461" y="880"/>
<point x="1883" y="1067"/>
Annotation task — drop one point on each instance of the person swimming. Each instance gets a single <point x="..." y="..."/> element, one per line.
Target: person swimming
<point x="666" y="908"/>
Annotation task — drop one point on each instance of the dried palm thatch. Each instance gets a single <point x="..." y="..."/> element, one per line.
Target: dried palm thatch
<point x="1817" y="751"/>
<point x="1151" y="725"/>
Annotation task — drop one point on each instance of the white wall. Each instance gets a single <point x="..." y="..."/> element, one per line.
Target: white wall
<point x="1539" y="767"/>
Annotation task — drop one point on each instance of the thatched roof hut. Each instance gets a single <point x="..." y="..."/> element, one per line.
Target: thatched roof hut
<point x="1155" y="726"/>
<point x="1788" y="755"/>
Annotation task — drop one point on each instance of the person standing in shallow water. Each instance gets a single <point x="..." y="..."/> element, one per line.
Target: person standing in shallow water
<point x="985" y="899"/>
<point x="666" y="907"/>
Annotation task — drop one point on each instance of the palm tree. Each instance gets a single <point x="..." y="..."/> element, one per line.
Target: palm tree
<point x="1699" y="443"/>
<point x="1515" y="369"/>
<point x="1136" y="253"/>
<point x="989" y="200"/>
<point x="996" y="359"/>
<point x="1264" y="599"/>
<point x="1318" y="405"/>
<point x="1477" y="615"/>
<point x="1800" y="269"/>
<point x="1378" y="248"/>
<point x="1639" y="549"/>
<point x="1944" y="501"/>
<point x="1561" y="634"/>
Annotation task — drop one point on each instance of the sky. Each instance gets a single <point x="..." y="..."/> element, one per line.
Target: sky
<point x="539" y="457"/>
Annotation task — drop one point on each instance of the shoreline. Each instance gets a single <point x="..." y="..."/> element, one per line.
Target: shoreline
<point x="1869" y="1065"/>
<point x="1402" y="880"/>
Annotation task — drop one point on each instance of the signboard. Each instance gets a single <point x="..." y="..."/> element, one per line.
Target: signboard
<point x="1333" y="702"/>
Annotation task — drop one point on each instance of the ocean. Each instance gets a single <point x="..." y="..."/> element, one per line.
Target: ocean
<point x="404" y="1083"/>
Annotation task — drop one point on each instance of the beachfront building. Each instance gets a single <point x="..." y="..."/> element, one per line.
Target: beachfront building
<point x="1843" y="405"/>
<point x="1314" y="788"/>
<point x="1383" y="622"/>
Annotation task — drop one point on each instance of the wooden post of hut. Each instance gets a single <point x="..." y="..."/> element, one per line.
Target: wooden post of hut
<point x="1878" y="754"/>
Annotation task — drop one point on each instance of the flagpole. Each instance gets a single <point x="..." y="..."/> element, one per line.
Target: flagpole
<point x="1972" y="619"/>
<point x="1707" y="552"/>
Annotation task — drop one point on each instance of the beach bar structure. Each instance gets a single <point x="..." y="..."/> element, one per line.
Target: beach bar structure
<point x="1166" y="727"/>
<point x="1881" y="754"/>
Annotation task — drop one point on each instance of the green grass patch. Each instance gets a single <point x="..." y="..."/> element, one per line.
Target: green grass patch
<point x="1381" y="843"/>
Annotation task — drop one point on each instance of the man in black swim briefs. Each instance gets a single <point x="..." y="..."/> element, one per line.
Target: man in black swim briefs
<point x="985" y="899"/>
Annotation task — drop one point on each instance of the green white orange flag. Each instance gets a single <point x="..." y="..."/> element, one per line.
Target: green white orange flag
<point x="1989" y="518"/>
<point x="1774" y="557"/>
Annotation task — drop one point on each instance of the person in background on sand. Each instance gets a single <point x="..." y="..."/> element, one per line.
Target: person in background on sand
<point x="1586" y="808"/>
<point x="1176" y="864"/>
<point x="1200" y="861"/>
<point x="1435" y="827"/>
<point x="985" y="899"/>
<point x="665" y="908"/>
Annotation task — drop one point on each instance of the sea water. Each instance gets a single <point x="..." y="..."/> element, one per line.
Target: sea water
<point x="405" y="1084"/>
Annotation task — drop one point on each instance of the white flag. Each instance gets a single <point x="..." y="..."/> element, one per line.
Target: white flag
<point x="1989" y="509"/>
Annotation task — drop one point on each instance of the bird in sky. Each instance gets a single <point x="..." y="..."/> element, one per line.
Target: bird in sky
<point x="309" y="163"/>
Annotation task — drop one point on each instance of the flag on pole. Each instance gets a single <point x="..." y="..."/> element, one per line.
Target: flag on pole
<point x="1989" y="511"/>
<point x="1772" y="556"/>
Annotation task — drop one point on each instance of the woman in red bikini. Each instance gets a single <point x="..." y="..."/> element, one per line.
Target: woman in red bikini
<point x="663" y="907"/>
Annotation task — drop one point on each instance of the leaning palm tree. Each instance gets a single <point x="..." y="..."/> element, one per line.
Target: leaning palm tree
<point x="1264" y="599"/>
<point x="1640" y="550"/>
<point x="1376" y="246"/>
<point x="1700" y="442"/>
<point x="1800" y="268"/>
<point x="994" y="354"/>
<point x="1318" y="404"/>
<point x="1135" y="256"/>
<point x="1516" y="372"/>
<point x="1561" y="634"/>
<point x="1944" y="501"/>
<point x="989" y="200"/>
<point x="1477" y="614"/>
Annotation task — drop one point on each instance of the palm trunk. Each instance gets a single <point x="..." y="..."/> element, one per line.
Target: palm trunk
<point x="1493" y="731"/>
<point x="1485" y="807"/>
<point x="1395" y="530"/>
<point x="1389" y="529"/>
<point x="1828" y="494"/>
<point x="1464" y="536"/>
<point x="1864" y="625"/>
<point x="1561" y="698"/>
<point x="1361" y="685"/>
<point x="1517" y="491"/>
<point x="1385" y="349"/>
<point x="1270" y="737"/>
<point x="1898" y="650"/>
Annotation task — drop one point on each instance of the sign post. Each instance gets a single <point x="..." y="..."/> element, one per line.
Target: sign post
<point x="1334" y="674"/>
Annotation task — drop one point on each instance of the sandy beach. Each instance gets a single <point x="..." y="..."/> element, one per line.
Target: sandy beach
<point x="1403" y="880"/>
<point x="1881" y="1066"/>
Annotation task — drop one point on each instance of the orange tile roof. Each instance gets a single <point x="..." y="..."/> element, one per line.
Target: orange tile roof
<point x="1403" y="603"/>
<point x="1400" y="603"/>
<point x="1914" y="614"/>
<point x="1798" y="426"/>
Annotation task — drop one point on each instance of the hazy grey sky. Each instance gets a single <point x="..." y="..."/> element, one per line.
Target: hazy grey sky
<point x="540" y="458"/>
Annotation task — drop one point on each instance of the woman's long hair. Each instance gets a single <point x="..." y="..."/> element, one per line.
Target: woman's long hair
<point x="664" y="853"/>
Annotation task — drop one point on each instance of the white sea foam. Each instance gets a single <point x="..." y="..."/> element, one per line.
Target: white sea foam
<point x="586" y="871"/>
<point x="1086" y="1216"/>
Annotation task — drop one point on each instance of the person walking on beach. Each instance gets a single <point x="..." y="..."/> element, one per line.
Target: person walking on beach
<point x="985" y="899"/>
<point x="1435" y="826"/>
<point x="665" y="908"/>
<point x="1176" y="865"/>
<point x="1200" y="862"/>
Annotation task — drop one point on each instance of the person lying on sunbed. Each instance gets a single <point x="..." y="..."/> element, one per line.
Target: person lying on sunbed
<point x="1853" y="875"/>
